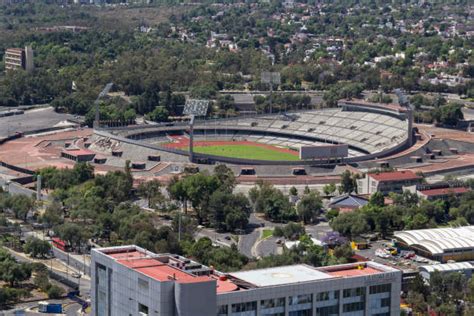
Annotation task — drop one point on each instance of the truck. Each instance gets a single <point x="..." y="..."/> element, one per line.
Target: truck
<point x="50" y="308"/>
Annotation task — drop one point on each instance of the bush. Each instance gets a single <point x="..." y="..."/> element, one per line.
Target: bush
<point x="55" y="291"/>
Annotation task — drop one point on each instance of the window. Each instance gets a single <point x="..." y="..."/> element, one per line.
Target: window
<point x="142" y="284"/>
<point x="244" y="307"/>
<point x="276" y="302"/>
<point x="323" y="296"/>
<point x="301" y="313"/>
<point x="381" y="288"/>
<point x="357" y="291"/>
<point x="327" y="311"/>
<point x="300" y="299"/>
<point x="222" y="310"/>
<point x="142" y="309"/>
<point x="353" y="307"/>
<point x="385" y="302"/>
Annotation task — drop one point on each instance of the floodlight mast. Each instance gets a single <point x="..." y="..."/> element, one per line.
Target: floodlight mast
<point x="102" y="94"/>
<point x="271" y="78"/>
<point x="194" y="108"/>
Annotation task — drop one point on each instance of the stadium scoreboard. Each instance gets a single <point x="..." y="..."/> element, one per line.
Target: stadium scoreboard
<point x="330" y="151"/>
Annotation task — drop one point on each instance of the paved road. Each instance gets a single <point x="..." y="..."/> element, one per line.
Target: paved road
<point x="251" y="236"/>
<point x="31" y="120"/>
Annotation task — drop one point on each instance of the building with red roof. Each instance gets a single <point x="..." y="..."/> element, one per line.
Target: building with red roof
<point x="129" y="280"/>
<point x="439" y="191"/>
<point x="78" y="154"/>
<point x="387" y="182"/>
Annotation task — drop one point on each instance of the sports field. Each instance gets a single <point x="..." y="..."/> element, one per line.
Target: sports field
<point x="246" y="152"/>
<point x="235" y="149"/>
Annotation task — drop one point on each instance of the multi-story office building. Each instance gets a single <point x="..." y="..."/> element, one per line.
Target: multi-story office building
<point x="129" y="280"/>
<point x="16" y="58"/>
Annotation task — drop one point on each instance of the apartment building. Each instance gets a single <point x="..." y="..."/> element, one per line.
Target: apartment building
<point x="129" y="280"/>
<point x="19" y="58"/>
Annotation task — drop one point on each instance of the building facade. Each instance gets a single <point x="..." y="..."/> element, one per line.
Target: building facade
<point x="386" y="182"/>
<point x="19" y="58"/>
<point x="129" y="280"/>
<point x="439" y="191"/>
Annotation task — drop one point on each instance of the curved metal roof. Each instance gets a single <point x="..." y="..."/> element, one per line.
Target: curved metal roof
<point x="458" y="266"/>
<point x="439" y="240"/>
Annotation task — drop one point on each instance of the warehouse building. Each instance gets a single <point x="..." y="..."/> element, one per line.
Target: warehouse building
<point x="440" y="244"/>
<point x="129" y="280"/>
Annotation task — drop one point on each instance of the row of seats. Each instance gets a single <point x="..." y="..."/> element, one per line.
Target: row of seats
<point x="369" y="131"/>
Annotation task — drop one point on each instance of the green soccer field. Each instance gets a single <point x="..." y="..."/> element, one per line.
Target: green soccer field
<point x="245" y="152"/>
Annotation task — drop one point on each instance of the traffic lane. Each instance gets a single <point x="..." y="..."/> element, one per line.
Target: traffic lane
<point x="267" y="247"/>
<point x="319" y="230"/>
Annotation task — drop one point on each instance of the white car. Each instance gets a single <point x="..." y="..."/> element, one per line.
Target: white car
<point x="382" y="253"/>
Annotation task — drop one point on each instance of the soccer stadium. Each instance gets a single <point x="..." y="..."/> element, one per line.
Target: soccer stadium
<point x="350" y="133"/>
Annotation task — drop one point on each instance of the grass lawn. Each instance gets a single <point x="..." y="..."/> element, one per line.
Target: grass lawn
<point x="267" y="233"/>
<point x="245" y="152"/>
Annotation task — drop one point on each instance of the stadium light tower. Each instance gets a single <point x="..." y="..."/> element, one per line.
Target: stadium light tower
<point x="102" y="94"/>
<point x="194" y="108"/>
<point x="271" y="78"/>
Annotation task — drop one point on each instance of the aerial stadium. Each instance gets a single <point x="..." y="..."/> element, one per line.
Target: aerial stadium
<point x="355" y="131"/>
<point x="306" y="147"/>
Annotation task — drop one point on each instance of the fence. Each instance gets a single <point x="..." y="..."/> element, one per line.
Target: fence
<point x="80" y="265"/>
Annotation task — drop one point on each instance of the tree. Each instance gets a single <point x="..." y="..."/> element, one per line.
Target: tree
<point x="350" y="224"/>
<point x="53" y="215"/>
<point x="377" y="199"/>
<point x="37" y="247"/>
<point x="228" y="211"/>
<point x="348" y="183"/>
<point x="13" y="272"/>
<point x="292" y="231"/>
<point x="73" y="234"/>
<point x="21" y="205"/>
<point x="225" y="178"/>
<point x="151" y="191"/>
<point x="329" y="189"/>
<point x="272" y="202"/>
<point x="309" y="207"/>
<point x="159" y="114"/>
<point x="450" y="114"/>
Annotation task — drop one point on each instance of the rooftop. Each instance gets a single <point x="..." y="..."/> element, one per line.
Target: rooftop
<point x="173" y="268"/>
<point x="444" y="191"/>
<point x="159" y="267"/>
<point x="281" y="275"/>
<point x="78" y="152"/>
<point x="389" y="106"/>
<point x="394" y="176"/>
<point x="439" y="240"/>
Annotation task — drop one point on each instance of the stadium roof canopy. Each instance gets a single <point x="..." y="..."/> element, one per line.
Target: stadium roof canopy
<point x="439" y="240"/>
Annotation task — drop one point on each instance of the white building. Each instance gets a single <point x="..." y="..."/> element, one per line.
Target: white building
<point x="129" y="280"/>
<point x="465" y="268"/>
<point x="387" y="182"/>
